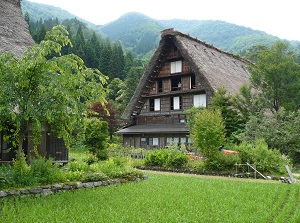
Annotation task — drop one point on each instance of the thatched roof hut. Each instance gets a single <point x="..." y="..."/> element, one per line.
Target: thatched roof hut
<point x="14" y="32"/>
<point x="214" y="67"/>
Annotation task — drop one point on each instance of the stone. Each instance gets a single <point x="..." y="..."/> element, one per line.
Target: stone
<point x="37" y="190"/>
<point x="24" y="191"/>
<point x="79" y="185"/>
<point x="14" y="192"/>
<point x="56" y="187"/>
<point x="97" y="183"/>
<point x="3" y="194"/>
<point x="47" y="192"/>
<point x="88" y="184"/>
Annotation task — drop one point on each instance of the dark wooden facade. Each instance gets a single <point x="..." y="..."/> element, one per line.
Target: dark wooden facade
<point x="50" y="146"/>
<point x="183" y="72"/>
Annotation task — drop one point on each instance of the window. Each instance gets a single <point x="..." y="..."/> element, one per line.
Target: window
<point x="153" y="141"/>
<point x="160" y="85"/>
<point x="192" y="81"/>
<point x="176" y="103"/>
<point x="176" y="67"/>
<point x="176" y="83"/>
<point x="154" y="104"/>
<point x="200" y="100"/>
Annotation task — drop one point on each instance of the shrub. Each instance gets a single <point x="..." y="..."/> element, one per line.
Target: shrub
<point x="171" y="158"/>
<point x="77" y="165"/>
<point x="222" y="162"/>
<point x="44" y="171"/>
<point x="95" y="177"/>
<point x="267" y="160"/>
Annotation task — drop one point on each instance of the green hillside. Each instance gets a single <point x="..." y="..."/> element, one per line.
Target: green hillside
<point x="140" y="34"/>
<point x="39" y="11"/>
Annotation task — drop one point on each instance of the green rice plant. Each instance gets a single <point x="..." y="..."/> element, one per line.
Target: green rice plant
<point x="163" y="198"/>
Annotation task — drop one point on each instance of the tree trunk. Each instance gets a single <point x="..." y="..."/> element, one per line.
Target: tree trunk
<point x="20" y="150"/>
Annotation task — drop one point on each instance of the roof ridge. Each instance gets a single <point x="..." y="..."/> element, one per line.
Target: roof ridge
<point x="173" y="32"/>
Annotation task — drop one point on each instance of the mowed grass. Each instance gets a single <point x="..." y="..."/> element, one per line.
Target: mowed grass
<point x="163" y="198"/>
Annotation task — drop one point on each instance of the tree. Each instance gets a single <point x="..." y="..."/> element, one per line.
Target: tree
<point x="280" y="131"/>
<point x="39" y="89"/>
<point x="276" y="76"/>
<point x="208" y="132"/>
<point x="129" y="86"/>
<point x="79" y="44"/>
<point x="107" y="114"/>
<point x="95" y="137"/>
<point x="223" y="102"/>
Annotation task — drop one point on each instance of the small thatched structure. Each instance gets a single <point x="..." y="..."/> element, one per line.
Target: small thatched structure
<point x="14" y="33"/>
<point x="15" y="38"/>
<point x="182" y="71"/>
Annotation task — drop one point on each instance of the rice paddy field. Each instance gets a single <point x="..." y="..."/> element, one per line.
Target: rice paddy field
<point x="163" y="198"/>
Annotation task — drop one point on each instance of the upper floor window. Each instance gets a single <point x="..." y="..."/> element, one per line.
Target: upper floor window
<point x="154" y="104"/>
<point x="200" y="100"/>
<point x="176" y="66"/>
<point x="176" y="103"/>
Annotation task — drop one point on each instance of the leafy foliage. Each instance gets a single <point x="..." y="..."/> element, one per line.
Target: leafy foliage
<point x="95" y="137"/>
<point x="168" y="158"/>
<point x="45" y="88"/>
<point x="233" y="121"/>
<point x="267" y="160"/>
<point x="208" y="132"/>
<point x="280" y="131"/>
<point x="276" y="76"/>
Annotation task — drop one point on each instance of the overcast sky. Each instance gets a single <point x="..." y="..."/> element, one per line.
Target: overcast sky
<point x="276" y="17"/>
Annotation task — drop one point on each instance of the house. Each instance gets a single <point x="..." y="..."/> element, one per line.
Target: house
<point x="15" y="38"/>
<point x="182" y="73"/>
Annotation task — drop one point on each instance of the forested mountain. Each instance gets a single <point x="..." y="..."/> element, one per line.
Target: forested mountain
<point x="42" y="11"/>
<point x="140" y="34"/>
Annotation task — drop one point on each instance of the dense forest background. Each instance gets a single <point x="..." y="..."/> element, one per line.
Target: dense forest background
<point x="140" y="34"/>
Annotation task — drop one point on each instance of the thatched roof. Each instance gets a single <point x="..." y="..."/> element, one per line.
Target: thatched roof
<point x="14" y="33"/>
<point x="216" y="67"/>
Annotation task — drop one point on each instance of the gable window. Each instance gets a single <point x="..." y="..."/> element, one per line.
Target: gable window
<point x="176" y="66"/>
<point x="200" y="100"/>
<point x="154" y="104"/>
<point x="176" y="103"/>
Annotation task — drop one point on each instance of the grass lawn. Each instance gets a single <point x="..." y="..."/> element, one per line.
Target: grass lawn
<point x="164" y="198"/>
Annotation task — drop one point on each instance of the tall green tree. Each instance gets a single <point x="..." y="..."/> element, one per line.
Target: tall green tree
<point x="79" y="44"/>
<point x="117" y="61"/>
<point x="39" y="89"/>
<point x="276" y="76"/>
<point x="234" y="122"/>
<point x="130" y="84"/>
<point x="208" y="132"/>
<point x="105" y="59"/>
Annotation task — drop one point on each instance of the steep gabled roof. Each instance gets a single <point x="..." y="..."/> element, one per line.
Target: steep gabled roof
<point x="217" y="67"/>
<point x="14" y="33"/>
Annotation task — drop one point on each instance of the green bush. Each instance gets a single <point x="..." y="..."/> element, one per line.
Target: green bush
<point x="94" y="177"/>
<point x="45" y="172"/>
<point x="77" y="165"/>
<point x="169" y="158"/>
<point x="222" y="162"/>
<point x="96" y="136"/>
<point x="266" y="160"/>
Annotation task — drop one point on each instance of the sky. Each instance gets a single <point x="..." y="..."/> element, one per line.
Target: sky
<point x="276" y="17"/>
